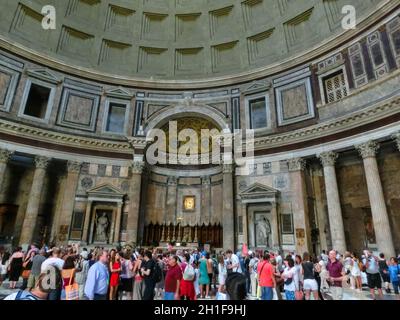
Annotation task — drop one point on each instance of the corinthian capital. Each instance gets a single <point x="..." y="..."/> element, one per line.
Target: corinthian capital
<point x="42" y="162"/>
<point x="137" y="167"/>
<point x="206" y="180"/>
<point x="368" y="149"/>
<point x="5" y="155"/>
<point x="396" y="138"/>
<point x="297" y="164"/>
<point x="172" y="181"/>
<point x="328" y="158"/>
<point x="74" y="166"/>
<point x="227" y="168"/>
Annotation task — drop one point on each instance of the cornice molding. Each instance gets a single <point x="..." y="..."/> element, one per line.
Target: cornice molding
<point x="312" y="53"/>
<point x="29" y="132"/>
<point x="355" y="119"/>
<point x="367" y="115"/>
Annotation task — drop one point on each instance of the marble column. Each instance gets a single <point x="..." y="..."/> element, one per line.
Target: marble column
<point x="275" y="225"/>
<point x="300" y="203"/>
<point x="32" y="209"/>
<point x="64" y="216"/>
<point x="380" y="216"/>
<point x="328" y="160"/>
<point x="134" y="201"/>
<point x="317" y="177"/>
<point x="243" y="206"/>
<point x="118" y="223"/>
<point x="87" y="221"/>
<point x="228" y="216"/>
<point x="205" y="202"/>
<point x="5" y="156"/>
<point x="171" y="199"/>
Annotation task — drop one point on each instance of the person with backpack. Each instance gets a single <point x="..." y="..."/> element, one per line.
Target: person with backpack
<point x="394" y="274"/>
<point x="204" y="279"/>
<point x="173" y="279"/>
<point x="384" y="272"/>
<point x="187" y="291"/>
<point x="291" y="285"/>
<point x="253" y="273"/>
<point x="310" y="284"/>
<point x="371" y="264"/>
<point x="222" y="274"/>
<point x="163" y="263"/>
<point x="266" y="277"/>
<point x="151" y="272"/>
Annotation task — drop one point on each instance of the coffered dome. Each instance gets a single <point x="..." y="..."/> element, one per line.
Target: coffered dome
<point x="175" y="40"/>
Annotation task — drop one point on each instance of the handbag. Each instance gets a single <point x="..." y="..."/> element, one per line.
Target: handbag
<point x="72" y="290"/>
<point x="26" y="274"/>
<point x="299" y="295"/>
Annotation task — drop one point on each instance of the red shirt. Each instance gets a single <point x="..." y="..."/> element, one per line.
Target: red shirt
<point x="173" y="275"/>
<point x="335" y="271"/>
<point x="265" y="272"/>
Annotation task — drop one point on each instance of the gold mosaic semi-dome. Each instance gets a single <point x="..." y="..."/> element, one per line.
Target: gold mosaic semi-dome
<point x="175" y="39"/>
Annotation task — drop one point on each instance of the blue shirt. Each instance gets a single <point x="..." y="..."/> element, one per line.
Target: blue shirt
<point x="97" y="280"/>
<point x="394" y="273"/>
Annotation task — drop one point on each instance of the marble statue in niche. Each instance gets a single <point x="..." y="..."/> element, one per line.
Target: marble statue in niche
<point x="102" y="224"/>
<point x="263" y="231"/>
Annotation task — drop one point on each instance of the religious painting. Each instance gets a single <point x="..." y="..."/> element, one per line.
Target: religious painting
<point x="262" y="227"/>
<point x="189" y="203"/>
<point x="369" y="227"/>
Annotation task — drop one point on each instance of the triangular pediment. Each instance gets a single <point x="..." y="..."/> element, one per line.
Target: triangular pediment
<point x="45" y="75"/>
<point x="258" y="189"/>
<point x="258" y="86"/>
<point x="119" y="93"/>
<point x="105" y="189"/>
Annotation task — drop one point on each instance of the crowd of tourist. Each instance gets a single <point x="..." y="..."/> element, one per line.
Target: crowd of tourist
<point x="72" y="273"/>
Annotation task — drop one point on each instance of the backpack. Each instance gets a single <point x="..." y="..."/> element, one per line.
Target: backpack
<point x="189" y="273"/>
<point x="215" y="266"/>
<point x="22" y="295"/>
<point x="157" y="272"/>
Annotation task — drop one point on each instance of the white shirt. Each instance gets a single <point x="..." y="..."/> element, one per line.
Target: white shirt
<point x="55" y="262"/>
<point x="253" y="265"/>
<point x="291" y="273"/>
<point x="235" y="261"/>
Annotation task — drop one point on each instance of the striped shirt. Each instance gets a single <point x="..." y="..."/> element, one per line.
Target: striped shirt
<point x="21" y="295"/>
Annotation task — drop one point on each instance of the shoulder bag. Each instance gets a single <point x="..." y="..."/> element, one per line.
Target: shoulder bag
<point x="72" y="290"/>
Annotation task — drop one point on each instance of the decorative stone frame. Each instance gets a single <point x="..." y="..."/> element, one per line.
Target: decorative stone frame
<point x="9" y="96"/>
<point x="248" y="99"/>
<point x="392" y="27"/>
<point x="306" y="81"/>
<point x="326" y="74"/>
<point x="362" y="79"/>
<point x="50" y="102"/>
<point x="127" y="105"/>
<point x="67" y="92"/>
<point x="374" y="39"/>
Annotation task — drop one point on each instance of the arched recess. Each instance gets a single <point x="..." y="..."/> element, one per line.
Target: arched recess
<point x="202" y="111"/>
